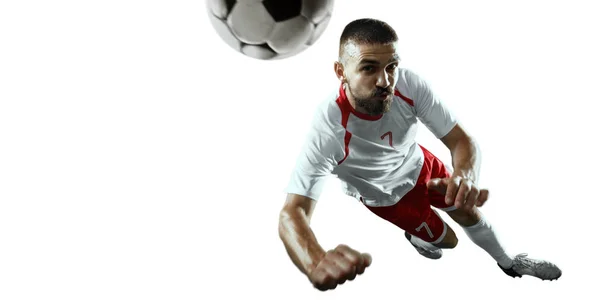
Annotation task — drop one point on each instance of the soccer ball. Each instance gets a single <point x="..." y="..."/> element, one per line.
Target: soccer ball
<point x="270" y="29"/>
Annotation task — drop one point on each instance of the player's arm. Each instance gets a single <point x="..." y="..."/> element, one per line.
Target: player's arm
<point x="461" y="188"/>
<point x="324" y="269"/>
<point x="296" y="234"/>
<point x="466" y="155"/>
<point x="313" y="166"/>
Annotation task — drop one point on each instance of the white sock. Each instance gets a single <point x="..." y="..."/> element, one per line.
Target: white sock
<point x="482" y="234"/>
<point x="423" y="244"/>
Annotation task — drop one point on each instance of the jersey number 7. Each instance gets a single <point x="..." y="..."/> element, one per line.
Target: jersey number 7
<point x="390" y="140"/>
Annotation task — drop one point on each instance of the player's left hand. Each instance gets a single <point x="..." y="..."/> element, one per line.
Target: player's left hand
<point x="461" y="191"/>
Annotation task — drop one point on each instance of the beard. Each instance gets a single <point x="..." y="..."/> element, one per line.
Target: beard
<point x="373" y="104"/>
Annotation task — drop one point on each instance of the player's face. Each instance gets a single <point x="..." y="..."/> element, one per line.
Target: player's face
<point x="370" y="74"/>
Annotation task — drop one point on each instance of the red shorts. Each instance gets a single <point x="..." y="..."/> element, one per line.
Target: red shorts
<point x="413" y="212"/>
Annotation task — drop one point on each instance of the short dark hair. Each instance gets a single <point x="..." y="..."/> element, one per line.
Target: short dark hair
<point x="367" y="31"/>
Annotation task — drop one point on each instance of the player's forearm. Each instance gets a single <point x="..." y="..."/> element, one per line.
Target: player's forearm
<point x="466" y="159"/>
<point x="299" y="240"/>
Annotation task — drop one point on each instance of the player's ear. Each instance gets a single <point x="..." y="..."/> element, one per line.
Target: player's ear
<point x="339" y="71"/>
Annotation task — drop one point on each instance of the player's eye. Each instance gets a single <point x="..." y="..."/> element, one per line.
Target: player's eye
<point x="368" y="68"/>
<point x="392" y="67"/>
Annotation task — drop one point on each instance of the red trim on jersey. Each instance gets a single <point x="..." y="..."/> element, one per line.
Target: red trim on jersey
<point x="345" y="104"/>
<point x="342" y="102"/>
<point x="406" y="99"/>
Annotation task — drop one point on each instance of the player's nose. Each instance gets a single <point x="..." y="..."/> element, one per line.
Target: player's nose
<point x="384" y="80"/>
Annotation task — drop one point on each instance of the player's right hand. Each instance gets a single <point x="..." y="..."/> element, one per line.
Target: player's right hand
<point x="338" y="266"/>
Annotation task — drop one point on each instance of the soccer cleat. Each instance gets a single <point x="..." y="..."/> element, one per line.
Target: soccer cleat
<point x="522" y="265"/>
<point x="431" y="254"/>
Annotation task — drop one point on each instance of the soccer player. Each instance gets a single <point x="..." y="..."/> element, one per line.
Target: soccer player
<point x="365" y="135"/>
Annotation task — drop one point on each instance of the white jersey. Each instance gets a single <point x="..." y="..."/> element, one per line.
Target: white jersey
<point x="375" y="157"/>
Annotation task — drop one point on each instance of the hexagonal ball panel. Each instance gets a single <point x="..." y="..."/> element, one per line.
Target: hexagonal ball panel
<point x="291" y="34"/>
<point x="250" y="22"/>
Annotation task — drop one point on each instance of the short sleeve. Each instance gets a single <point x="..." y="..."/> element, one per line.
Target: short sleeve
<point x="316" y="161"/>
<point x="431" y="111"/>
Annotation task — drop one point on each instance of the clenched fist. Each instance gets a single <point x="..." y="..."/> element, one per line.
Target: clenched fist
<point x="337" y="266"/>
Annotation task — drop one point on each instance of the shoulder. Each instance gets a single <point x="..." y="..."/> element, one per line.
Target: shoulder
<point x="328" y="115"/>
<point x="409" y="82"/>
<point x="326" y="132"/>
<point x="414" y="86"/>
<point x="407" y="86"/>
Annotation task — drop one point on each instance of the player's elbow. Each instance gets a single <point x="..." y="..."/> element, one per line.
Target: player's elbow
<point x="295" y="215"/>
<point x="289" y="221"/>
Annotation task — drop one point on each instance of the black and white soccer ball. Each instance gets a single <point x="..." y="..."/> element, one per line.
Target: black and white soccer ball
<point x="270" y="29"/>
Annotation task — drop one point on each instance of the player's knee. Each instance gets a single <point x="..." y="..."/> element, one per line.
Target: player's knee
<point x="453" y="241"/>
<point x="450" y="240"/>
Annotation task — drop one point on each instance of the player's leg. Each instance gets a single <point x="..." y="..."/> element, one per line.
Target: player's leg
<point x="481" y="232"/>
<point x="448" y="241"/>
<point x="472" y="221"/>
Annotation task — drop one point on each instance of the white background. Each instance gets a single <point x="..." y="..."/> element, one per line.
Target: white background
<point x="142" y="158"/>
